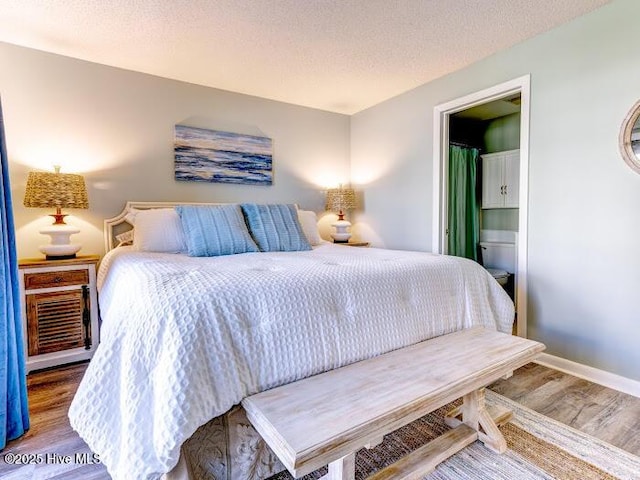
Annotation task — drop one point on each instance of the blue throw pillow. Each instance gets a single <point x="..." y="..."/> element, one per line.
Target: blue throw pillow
<point x="214" y="230"/>
<point x="275" y="228"/>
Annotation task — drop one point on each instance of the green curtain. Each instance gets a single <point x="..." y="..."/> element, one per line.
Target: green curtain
<point x="463" y="208"/>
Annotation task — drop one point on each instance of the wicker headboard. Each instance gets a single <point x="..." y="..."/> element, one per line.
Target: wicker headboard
<point x="117" y="225"/>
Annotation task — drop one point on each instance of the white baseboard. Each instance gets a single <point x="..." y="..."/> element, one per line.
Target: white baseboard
<point x="595" y="375"/>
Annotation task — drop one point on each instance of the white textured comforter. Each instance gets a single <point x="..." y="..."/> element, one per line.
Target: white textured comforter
<point x="184" y="339"/>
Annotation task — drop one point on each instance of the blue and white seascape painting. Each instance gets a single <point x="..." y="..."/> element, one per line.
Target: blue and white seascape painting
<point x="212" y="156"/>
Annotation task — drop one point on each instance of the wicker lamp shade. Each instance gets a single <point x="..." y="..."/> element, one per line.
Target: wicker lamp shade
<point x="57" y="190"/>
<point x="339" y="199"/>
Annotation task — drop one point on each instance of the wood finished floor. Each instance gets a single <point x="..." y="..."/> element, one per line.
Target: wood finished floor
<point x="50" y="394"/>
<point x="596" y="410"/>
<point x="601" y="412"/>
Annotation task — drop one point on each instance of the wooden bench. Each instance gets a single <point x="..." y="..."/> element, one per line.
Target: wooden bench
<point x="326" y="418"/>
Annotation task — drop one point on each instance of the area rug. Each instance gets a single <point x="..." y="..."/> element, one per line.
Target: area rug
<point x="538" y="448"/>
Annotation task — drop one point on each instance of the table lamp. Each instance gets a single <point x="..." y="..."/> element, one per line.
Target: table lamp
<point x="57" y="190"/>
<point x="338" y="200"/>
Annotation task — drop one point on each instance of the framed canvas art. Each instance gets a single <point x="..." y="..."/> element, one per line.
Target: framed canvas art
<point x="203" y="155"/>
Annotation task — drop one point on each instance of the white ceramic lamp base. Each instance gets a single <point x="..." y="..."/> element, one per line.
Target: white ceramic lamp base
<point x="342" y="234"/>
<point x="60" y="246"/>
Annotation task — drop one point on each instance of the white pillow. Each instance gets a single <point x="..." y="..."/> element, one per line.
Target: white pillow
<point x="309" y="223"/>
<point x="130" y="217"/>
<point x="158" y="230"/>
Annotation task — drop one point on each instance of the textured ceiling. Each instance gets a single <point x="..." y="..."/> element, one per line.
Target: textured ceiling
<point x="336" y="55"/>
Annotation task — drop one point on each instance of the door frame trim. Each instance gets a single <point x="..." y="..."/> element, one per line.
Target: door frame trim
<point x="441" y="115"/>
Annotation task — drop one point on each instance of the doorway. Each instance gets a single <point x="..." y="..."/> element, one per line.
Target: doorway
<point x="472" y="104"/>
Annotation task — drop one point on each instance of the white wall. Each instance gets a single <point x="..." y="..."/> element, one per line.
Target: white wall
<point x="116" y="127"/>
<point x="584" y="220"/>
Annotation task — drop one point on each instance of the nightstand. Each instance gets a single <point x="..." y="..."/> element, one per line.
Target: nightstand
<point x="354" y="244"/>
<point x="59" y="302"/>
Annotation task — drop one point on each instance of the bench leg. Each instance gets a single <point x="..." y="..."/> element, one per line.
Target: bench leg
<point x="471" y="405"/>
<point x="473" y="412"/>
<point x="342" y="469"/>
<point x="492" y="438"/>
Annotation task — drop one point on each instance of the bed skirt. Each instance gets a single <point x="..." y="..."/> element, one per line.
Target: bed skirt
<point x="226" y="448"/>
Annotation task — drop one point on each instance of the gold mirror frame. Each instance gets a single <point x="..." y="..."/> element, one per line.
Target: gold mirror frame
<point x="625" y="138"/>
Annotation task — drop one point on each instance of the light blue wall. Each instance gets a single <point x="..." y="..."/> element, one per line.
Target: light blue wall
<point x="584" y="220"/>
<point x="502" y="133"/>
<point x="117" y="127"/>
<point x="500" y="219"/>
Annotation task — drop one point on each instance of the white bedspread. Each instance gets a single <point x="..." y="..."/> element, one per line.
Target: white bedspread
<point x="184" y="339"/>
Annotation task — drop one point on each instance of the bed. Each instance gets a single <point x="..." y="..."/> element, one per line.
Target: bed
<point x="184" y="339"/>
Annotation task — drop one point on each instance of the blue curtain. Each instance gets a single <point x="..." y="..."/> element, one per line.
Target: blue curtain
<point x="14" y="411"/>
<point x="463" y="208"/>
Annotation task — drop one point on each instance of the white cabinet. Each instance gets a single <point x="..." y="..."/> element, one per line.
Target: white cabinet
<point x="500" y="179"/>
